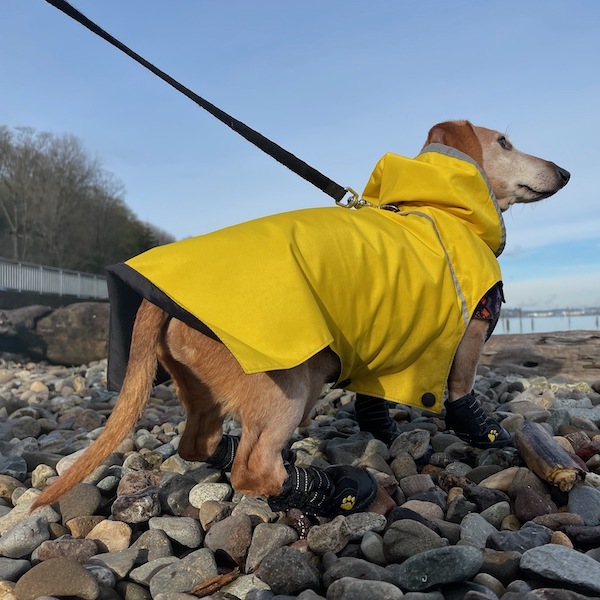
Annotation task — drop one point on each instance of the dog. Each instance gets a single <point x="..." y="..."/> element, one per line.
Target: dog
<point x="271" y="403"/>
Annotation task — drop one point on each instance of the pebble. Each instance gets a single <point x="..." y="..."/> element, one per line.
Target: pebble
<point x="286" y="571"/>
<point x="25" y="537"/>
<point x="183" y="530"/>
<point x="232" y="535"/>
<point x="111" y="536"/>
<point x="329" y="537"/>
<point x="57" y="577"/>
<point x="475" y="530"/>
<point x="405" y="538"/>
<point x="147" y="524"/>
<point x="563" y="565"/>
<point x="585" y="502"/>
<point x="438" y="567"/>
<point x="350" y="588"/>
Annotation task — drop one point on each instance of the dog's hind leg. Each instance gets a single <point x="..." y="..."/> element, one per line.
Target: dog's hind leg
<point x="204" y="417"/>
<point x="269" y="417"/>
<point x="275" y="404"/>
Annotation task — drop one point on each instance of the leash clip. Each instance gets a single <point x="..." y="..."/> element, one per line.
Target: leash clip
<point x="352" y="201"/>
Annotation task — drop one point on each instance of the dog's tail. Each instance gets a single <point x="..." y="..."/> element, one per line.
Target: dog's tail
<point x="134" y="394"/>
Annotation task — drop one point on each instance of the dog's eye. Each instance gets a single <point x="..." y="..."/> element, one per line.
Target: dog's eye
<point x="504" y="143"/>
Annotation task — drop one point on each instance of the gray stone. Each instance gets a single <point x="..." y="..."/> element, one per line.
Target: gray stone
<point x="26" y="427"/>
<point x="349" y="588"/>
<point x="286" y="571"/>
<point x="127" y="590"/>
<point x="406" y="537"/>
<point x="25" y="537"/>
<point x="529" y="536"/>
<point x="345" y="451"/>
<point x="202" y="492"/>
<point x="585" y="502"/>
<point x="359" y="523"/>
<point x="475" y="530"/>
<point x="423" y="596"/>
<point x="144" y="573"/>
<point x="267" y="537"/>
<point x="415" y="442"/>
<point x="153" y="544"/>
<point x="83" y="500"/>
<point x="438" y="567"/>
<point x="102" y="574"/>
<point x="11" y="569"/>
<point x="371" y="547"/>
<point x="348" y="566"/>
<point x="183" y="530"/>
<point x="185" y="574"/>
<point x="459" y="508"/>
<point x="330" y="537"/>
<point x="564" y="566"/>
<point x="496" y="513"/>
<point x="244" y="585"/>
<point x="256" y="509"/>
<point x="13" y="466"/>
<point x="57" y="577"/>
<point x="119" y="563"/>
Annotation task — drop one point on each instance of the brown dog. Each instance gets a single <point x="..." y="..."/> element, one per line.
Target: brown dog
<point x="211" y="383"/>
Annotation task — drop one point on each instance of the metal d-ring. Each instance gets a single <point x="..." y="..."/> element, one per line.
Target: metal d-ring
<point x="353" y="201"/>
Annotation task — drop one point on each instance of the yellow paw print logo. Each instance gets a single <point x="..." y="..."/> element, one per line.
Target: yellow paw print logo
<point x="348" y="503"/>
<point x="492" y="435"/>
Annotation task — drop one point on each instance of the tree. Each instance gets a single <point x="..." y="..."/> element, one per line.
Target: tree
<point x="59" y="207"/>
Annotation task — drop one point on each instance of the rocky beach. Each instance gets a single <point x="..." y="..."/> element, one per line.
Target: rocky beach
<point x="451" y="522"/>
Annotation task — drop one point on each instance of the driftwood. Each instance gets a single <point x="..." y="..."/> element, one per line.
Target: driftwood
<point x="574" y="355"/>
<point x="546" y="458"/>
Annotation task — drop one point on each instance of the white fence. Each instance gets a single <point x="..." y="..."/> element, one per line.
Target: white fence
<point x="26" y="277"/>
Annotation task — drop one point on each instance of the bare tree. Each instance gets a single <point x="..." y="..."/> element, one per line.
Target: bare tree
<point x="59" y="207"/>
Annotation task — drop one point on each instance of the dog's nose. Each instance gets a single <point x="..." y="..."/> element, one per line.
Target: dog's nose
<point x="564" y="175"/>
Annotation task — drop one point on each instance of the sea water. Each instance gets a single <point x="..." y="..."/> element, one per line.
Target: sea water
<point x="528" y="324"/>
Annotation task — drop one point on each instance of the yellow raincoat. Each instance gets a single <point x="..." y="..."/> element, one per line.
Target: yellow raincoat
<point x="390" y="292"/>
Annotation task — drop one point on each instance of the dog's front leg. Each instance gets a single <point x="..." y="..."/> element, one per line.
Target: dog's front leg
<point x="463" y="412"/>
<point x="464" y="366"/>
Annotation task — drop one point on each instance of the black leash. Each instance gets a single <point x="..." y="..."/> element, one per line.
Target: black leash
<point x="286" y="158"/>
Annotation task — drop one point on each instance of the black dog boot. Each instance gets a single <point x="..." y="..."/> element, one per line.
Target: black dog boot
<point x="473" y="426"/>
<point x="327" y="492"/>
<point x="373" y="415"/>
<point x="222" y="457"/>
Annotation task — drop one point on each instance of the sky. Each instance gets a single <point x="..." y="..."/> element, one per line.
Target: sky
<point x="338" y="84"/>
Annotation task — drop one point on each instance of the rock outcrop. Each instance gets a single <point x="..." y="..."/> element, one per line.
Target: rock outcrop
<point x="73" y="335"/>
<point x="574" y="355"/>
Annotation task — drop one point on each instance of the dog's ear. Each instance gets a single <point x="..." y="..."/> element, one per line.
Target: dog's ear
<point x="459" y="135"/>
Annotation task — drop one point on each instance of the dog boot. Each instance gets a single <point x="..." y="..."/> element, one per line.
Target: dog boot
<point x="473" y="426"/>
<point x="373" y="415"/>
<point x="222" y="457"/>
<point x="326" y="492"/>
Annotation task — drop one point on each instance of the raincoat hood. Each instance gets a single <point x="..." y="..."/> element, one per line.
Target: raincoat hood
<point x="390" y="292"/>
<point x="443" y="179"/>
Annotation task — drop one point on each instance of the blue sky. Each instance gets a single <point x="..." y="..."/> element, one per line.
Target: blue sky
<point x="336" y="83"/>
